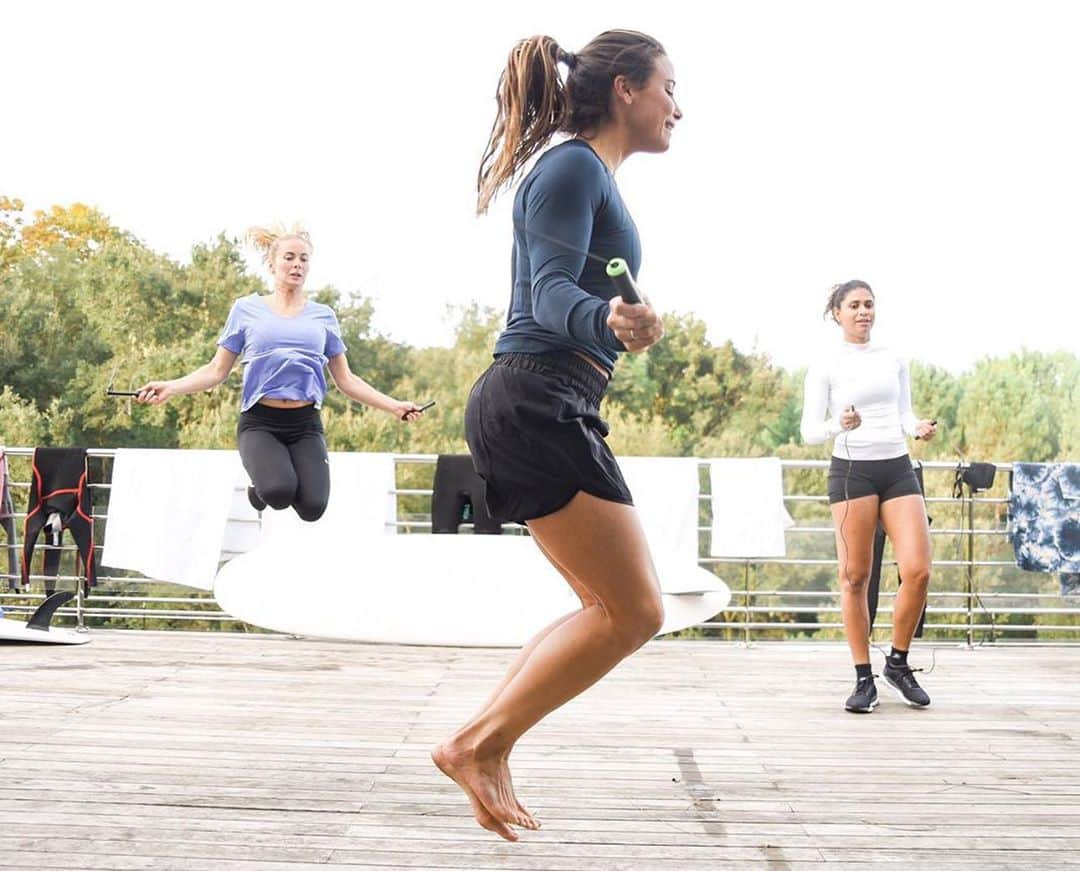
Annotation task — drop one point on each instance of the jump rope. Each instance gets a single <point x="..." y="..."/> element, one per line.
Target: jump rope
<point x="129" y="393"/>
<point x="616" y="268"/>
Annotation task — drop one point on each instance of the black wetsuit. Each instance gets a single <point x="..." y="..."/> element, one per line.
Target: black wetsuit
<point x="59" y="500"/>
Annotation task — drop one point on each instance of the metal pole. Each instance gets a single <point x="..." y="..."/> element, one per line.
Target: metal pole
<point x="746" y="603"/>
<point x="971" y="567"/>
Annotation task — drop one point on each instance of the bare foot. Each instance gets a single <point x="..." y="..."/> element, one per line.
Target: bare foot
<point x="481" y="813"/>
<point x="530" y="822"/>
<point x="493" y="805"/>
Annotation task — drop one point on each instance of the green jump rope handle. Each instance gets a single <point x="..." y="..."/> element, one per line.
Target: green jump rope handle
<point x="620" y="276"/>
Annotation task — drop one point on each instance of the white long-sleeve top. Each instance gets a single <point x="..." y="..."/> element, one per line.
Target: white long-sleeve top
<point x="873" y="379"/>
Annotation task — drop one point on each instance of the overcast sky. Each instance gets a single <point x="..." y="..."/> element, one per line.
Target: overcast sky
<point x="930" y="148"/>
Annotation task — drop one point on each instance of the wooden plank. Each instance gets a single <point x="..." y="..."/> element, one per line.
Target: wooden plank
<point x="672" y="844"/>
<point x="177" y="750"/>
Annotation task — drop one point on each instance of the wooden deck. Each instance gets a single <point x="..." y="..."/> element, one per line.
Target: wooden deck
<point x="183" y="751"/>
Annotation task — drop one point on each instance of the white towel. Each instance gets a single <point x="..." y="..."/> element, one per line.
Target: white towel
<point x="361" y="503"/>
<point x="167" y="513"/>
<point x="242" y="527"/>
<point x="665" y="491"/>
<point x="749" y="516"/>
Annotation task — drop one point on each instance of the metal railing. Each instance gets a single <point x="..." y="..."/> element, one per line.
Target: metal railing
<point x="978" y="595"/>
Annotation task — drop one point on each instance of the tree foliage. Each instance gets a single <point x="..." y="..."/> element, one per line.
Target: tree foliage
<point x="85" y="304"/>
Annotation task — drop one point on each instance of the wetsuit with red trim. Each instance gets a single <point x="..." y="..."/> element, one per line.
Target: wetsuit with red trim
<point x="59" y="500"/>
<point x="7" y="523"/>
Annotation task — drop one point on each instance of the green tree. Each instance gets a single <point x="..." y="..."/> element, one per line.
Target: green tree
<point x="21" y="423"/>
<point x="712" y="398"/>
<point x="78" y="228"/>
<point x="1020" y="407"/>
<point x="11" y="222"/>
<point x="46" y="330"/>
<point x="935" y="394"/>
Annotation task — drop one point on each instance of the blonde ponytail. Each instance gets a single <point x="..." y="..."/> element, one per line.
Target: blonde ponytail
<point x="265" y="239"/>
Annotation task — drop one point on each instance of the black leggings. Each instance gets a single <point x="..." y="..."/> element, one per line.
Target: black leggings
<point x="284" y="452"/>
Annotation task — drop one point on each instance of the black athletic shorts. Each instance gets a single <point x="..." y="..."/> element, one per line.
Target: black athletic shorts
<point x="887" y="479"/>
<point x="534" y="430"/>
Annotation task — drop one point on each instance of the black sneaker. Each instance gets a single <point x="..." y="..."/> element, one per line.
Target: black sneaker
<point x="864" y="699"/>
<point x="254" y="499"/>
<point x="902" y="680"/>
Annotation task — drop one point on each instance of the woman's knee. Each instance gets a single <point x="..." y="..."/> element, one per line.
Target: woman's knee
<point x="918" y="576"/>
<point x="854" y="579"/>
<point x="653" y="618"/>
<point x="310" y="510"/>
<point x="637" y="624"/>
<point x="277" y="494"/>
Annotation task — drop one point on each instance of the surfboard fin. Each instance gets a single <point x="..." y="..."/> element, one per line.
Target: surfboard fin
<point x="42" y="617"/>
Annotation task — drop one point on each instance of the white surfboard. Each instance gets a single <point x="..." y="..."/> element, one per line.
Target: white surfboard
<point x="468" y="590"/>
<point x="10" y="630"/>
<point x="38" y="629"/>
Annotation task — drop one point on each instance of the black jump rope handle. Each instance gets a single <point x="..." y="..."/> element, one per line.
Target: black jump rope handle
<point x="934" y="422"/>
<point x="620" y="276"/>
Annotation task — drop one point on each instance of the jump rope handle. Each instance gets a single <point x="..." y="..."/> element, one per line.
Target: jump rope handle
<point x="620" y="276"/>
<point x="933" y="422"/>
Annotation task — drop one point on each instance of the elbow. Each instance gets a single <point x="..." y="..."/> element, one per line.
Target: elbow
<point x="349" y="385"/>
<point x="543" y="312"/>
<point x="553" y="304"/>
<point x="218" y="374"/>
<point x="811" y="435"/>
<point x="553" y="322"/>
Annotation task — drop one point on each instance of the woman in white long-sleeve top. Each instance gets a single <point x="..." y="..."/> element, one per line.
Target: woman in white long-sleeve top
<point x="859" y="395"/>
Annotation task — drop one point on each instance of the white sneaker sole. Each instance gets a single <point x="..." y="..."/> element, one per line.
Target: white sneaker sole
<point x="900" y="694"/>
<point x="873" y="705"/>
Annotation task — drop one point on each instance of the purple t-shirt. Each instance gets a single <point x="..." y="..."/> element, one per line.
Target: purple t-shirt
<point x="283" y="357"/>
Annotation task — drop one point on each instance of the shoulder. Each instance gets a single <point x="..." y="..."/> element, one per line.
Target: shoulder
<point x="894" y="355"/>
<point x="321" y="312"/>
<point x="571" y="162"/>
<point x="250" y="304"/>
<point x="246" y="309"/>
<point x="575" y="154"/>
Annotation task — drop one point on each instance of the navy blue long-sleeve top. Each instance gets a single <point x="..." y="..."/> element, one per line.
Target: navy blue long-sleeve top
<point x="560" y="297"/>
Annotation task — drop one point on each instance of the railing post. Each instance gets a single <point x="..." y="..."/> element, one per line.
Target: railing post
<point x="746" y="603"/>
<point x="80" y="624"/>
<point x="970" y="565"/>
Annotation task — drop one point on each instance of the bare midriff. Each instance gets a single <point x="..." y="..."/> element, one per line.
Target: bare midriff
<point x="284" y="403"/>
<point x="592" y="363"/>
